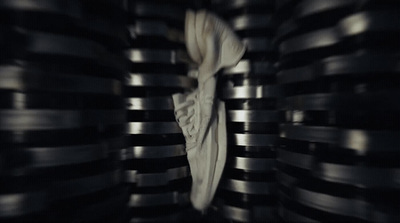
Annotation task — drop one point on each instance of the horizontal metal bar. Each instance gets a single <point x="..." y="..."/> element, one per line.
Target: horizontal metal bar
<point x="251" y="67"/>
<point x="252" y="92"/>
<point x="254" y="164"/>
<point x="252" y="116"/>
<point x="153" y="128"/>
<point x="150" y="103"/>
<point x="153" y="152"/>
<point x="57" y="119"/>
<point x="156" y="179"/>
<point x="249" y="187"/>
<point x="157" y="56"/>
<point x="148" y="200"/>
<point x="254" y="139"/>
<point x="159" y="80"/>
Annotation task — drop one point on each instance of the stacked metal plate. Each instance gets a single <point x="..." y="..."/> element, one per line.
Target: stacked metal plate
<point x="155" y="163"/>
<point x="248" y="189"/>
<point x="339" y="65"/>
<point x="61" y="110"/>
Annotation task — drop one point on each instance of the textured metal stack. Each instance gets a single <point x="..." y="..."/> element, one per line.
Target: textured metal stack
<point x="339" y="65"/>
<point x="61" y="110"/>
<point x="248" y="189"/>
<point x="155" y="163"/>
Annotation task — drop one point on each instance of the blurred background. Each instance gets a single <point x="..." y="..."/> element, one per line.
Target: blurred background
<point x="87" y="125"/>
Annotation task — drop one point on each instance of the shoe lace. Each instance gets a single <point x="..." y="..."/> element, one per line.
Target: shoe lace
<point x="185" y="114"/>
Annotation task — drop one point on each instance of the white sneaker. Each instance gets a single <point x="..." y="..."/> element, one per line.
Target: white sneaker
<point x="200" y="115"/>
